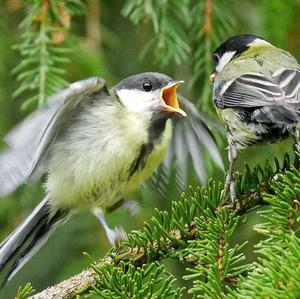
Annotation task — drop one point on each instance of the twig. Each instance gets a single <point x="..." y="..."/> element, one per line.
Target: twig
<point x="93" y="25"/>
<point x="207" y="18"/>
<point x="70" y="287"/>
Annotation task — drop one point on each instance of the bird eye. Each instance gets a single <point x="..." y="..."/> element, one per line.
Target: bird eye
<point x="147" y="86"/>
<point x="216" y="58"/>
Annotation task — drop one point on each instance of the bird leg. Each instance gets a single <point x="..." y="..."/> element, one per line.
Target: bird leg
<point x="229" y="183"/>
<point x="295" y="134"/>
<point x="116" y="235"/>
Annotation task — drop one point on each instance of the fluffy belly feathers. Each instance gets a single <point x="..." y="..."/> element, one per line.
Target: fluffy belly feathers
<point x="239" y="132"/>
<point x="242" y="132"/>
<point x="103" y="180"/>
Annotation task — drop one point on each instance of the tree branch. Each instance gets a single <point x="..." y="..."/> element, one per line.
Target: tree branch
<point x="85" y="280"/>
<point x="69" y="288"/>
<point x="207" y="18"/>
<point x="249" y="194"/>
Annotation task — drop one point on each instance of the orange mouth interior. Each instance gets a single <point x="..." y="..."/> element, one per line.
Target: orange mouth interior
<point x="169" y="99"/>
<point x="169" y="96"/>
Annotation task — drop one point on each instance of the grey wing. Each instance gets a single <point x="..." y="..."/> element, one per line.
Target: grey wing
<point x="249" y="90"/>
<point x="25" y="158"/>
<point x="288" y="110"/>
<point x="278" y="115"/>
<point x="256" y="90"/>
<point x="192" y="141"/>
<point x="289" y="81"/>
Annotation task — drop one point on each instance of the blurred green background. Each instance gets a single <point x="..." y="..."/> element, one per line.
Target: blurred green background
<point x="106" y="42"/>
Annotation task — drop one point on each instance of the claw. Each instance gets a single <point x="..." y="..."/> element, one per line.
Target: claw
<point x="116" y="235"/>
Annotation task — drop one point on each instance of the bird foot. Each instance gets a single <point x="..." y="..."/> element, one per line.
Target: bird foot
<point x="229" y="187"/>
<point x="116" y="235"/>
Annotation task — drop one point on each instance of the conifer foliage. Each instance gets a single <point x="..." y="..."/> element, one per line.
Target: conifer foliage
<point x="43" y="49"/>
<point x="198" y="230"/>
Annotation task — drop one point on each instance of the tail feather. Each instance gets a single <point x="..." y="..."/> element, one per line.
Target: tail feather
<point x="29" y="237"/>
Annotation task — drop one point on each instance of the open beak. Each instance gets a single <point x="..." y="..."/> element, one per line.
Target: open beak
<point x="169" y="98"/>
<point x="212" y="77"/>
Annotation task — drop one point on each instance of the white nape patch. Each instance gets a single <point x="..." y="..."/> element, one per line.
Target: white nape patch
<point x="226" y="57"/>
<point x="139" y="101"/>
<point x="258" y="42"/>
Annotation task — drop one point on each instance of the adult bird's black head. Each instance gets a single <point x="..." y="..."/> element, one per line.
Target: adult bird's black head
<point x="232" y="48"/>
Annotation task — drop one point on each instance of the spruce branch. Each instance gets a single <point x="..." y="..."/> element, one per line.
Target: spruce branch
<point x="196" y="232"/>
<point x="276" y="274"/>
<point x="43" y="49"/>
<point x="25" y="292"/>
<point x="181" y="29"/>
<point x="69" y="288"/>
<point x="213" y="22"/>
<point x="127" y="281"/>
<point x="169" y="20"/>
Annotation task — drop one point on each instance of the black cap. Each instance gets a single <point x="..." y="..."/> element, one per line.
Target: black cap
<point x="237" y="43"/>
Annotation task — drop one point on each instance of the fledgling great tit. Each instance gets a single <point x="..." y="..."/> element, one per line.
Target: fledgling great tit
<point x="256" y="92"/>
<point x="96" y="147"/>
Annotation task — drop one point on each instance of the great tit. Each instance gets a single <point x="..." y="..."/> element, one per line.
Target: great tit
<point x="256" y="92"/>
<point x="96" y="147"/>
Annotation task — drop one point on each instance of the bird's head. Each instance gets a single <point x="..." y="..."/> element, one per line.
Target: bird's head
<point x="149" y="93"/>
<point x="234" y="47"/>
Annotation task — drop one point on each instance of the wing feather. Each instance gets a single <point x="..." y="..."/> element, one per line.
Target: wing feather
<point x="29" y="142"/>
<point x="256" y="90"/>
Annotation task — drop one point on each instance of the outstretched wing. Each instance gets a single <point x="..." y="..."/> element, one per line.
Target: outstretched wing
<point x="25" y="158"/>
<point x="256" y="90"/>
<point x="192" y="142"/>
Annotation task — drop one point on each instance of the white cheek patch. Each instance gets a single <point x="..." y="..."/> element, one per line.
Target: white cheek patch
<point x="139" y="101"/>
<point x="226" y="57"/>
<point x="258" y="42"/>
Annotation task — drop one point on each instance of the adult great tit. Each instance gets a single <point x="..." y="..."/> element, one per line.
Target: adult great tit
<point x="96" y="146"/>
<point x="256" y="92"/>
